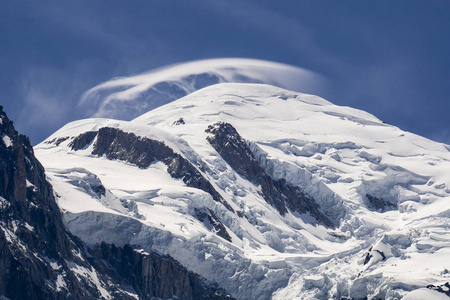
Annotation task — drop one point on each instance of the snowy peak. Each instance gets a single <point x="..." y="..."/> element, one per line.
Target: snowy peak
<point x="269" y="192"/>
<point x="127" y="98"/>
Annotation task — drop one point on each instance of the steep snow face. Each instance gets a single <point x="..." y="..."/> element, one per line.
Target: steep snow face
<point x="385" y="191"/>
<point x="129" y="97"/>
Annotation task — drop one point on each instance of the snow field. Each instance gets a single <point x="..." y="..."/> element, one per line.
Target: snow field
<point x="338" y="155"/>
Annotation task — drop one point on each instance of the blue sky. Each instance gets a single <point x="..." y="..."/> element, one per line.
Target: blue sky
<point x="389" y="58"/>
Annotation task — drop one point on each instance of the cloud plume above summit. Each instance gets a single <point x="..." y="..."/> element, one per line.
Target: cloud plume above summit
<point x="128" y="97"/>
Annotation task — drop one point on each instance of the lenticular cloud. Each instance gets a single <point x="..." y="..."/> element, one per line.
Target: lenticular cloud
<point x="128" y="97"/>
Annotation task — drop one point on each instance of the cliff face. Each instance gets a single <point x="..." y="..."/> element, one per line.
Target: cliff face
<point x="40" y="259"/>
<point x="34" y="245"/>
<point x="155" y="276"/>
<point x="234" y="150"/>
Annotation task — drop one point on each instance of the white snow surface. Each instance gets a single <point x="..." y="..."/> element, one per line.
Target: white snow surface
<point x="7" y="140"/>
<point x="338" y="155"/>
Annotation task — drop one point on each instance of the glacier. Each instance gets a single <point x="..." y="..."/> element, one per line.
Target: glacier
<point x="385" y="191"/>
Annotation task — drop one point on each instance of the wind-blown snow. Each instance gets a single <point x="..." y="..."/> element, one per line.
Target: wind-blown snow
<point x="128" y="97"/>
<point x="387" y="190"/>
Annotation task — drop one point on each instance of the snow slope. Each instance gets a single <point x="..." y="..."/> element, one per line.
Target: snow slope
<point x="128" y="97"/>
<point x="387" y="192"/>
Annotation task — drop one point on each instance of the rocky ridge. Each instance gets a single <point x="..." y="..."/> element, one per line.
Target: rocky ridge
<point x="234" y="150"/>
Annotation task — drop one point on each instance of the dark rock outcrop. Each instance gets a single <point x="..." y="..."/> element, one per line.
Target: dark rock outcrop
<point x="83" y="140"/>
<point x="57" y="141"/>
<point x="212" y="222"/>
<point x="369" y="255"/>
<point x="443" y="288"/>
<point x="379" y="204"/>
<point x="153" y="275"/>
<point x="180" y="121"/>
<point x="234" y="150"/>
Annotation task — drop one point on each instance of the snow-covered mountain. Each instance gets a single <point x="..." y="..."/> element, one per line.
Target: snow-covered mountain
<point x="127" y="98"/>
<point x="273" y="194"/>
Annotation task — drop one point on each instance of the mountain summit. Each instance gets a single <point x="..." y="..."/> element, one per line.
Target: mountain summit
<point x="273" y="194"/>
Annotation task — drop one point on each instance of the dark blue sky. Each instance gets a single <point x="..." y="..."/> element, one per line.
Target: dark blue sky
<point x="390" y="58"/>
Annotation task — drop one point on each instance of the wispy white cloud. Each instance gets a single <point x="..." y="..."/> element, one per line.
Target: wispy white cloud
<point x="48" y="99"/>
<point x="44" y="92"/>
<point x="128" y="97"/>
